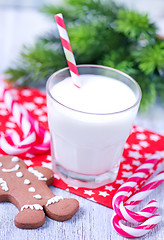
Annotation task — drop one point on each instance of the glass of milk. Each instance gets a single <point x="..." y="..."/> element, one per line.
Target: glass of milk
<point x="90" y="125"/>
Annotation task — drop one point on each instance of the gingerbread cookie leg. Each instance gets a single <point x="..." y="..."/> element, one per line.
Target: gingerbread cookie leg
<point x="30" y="216"/>
<point x="61" y="209"/>
<point x="57" y="207"/>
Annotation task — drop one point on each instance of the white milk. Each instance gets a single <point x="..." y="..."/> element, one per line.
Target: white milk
<point x="87" y="128"/>
<point x="98" y="94"/>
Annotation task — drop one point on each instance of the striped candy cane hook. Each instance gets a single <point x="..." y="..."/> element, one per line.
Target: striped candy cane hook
<point x="146" y="214"/>
<point x="122" y="193"/>
<point x="146" y="189"/>
<point x="138" y="231"/>
<point x="11" y="143"/>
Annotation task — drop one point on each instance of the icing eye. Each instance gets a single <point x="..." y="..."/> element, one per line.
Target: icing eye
<point x="15" y="159"/>
<point x="0" y="164"/>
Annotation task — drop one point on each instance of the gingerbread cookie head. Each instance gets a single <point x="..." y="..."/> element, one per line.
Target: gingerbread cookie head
<point x="28" y="190"/>
<point x="11" y="164"/>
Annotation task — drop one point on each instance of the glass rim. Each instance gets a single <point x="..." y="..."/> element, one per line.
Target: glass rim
<point x="102" y="67"/>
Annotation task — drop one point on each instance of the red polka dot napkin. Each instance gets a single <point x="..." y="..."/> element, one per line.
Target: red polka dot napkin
<point x="141" y="144"/>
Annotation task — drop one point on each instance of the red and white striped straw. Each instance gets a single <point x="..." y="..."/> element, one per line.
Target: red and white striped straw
<point x="67" y="49"/>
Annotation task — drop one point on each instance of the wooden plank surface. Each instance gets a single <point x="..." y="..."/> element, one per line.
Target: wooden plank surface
<point x="92" y="222"/>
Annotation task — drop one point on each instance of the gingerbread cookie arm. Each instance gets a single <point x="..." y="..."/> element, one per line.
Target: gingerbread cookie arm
<point x="43" y="174"/>
<point x="4" y="190"/>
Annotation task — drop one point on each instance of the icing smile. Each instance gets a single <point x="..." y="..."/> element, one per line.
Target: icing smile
<point x="11" y="169"/>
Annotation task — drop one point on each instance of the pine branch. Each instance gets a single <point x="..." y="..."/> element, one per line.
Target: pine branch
<point x="37" y="63"/>
<point x="150" y="58"/>
<point x="101" y="32"/>
<point x="135" y="25"/>
<point x="149" y="92"/>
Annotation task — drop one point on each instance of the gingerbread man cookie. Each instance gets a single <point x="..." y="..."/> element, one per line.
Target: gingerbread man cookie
<point x="28" y="190"/>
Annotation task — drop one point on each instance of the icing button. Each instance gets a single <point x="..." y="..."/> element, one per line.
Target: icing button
<point x="0" y="164"/>
<point x="31" y="189"/>
<point x="37" y="196"/>
<point x="26" y="181"/>
<point x="19" y="174"/>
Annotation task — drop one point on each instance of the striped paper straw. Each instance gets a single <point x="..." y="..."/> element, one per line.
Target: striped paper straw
<point x="67" y="49"/>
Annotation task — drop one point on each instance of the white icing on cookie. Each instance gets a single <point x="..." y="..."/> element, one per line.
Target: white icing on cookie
<point x="19" y="174"/>
<point x="34" y="206"/>
<point x="37" y="196"/>
<point x="11" y="169"/>
<point x="26" y="181"/>
<point x="0" y="164"/>
<point x="36" y="173"/>
<point x="3" y="184"/>
<point x="15" y="159"/>
<point x="54" y="200"/>
<point x="31" y="189"/>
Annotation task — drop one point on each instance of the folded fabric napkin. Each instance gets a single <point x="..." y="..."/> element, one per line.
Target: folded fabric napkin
<point x="141" y="144"/>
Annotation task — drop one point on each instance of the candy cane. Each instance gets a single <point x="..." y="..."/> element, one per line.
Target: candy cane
<point x="6" y="142"/>
<point x="43" y="134"/>
<point x="146" y="213"/>
<point x="133" y="232"/>
<point x="144" y="228"/>
<point x="148" y="210"/>
<point x="126" y="190"/>
<point x="146" y="189"/>
<point x="30" y="127"/>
